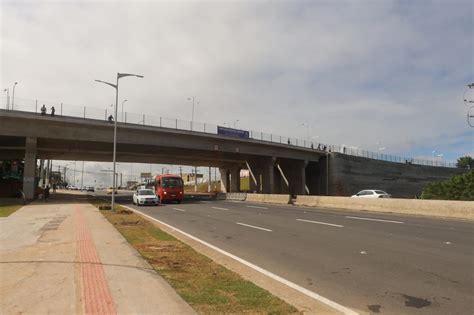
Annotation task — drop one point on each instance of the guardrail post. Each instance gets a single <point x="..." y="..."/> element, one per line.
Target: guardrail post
<point x="176" y="123"/>
<point x="36" y="106"/>
<point x="84" y="112"/>
<point x="143" y="119"/>
<point x="160" y="121"/>
<point x="61" y="109"/>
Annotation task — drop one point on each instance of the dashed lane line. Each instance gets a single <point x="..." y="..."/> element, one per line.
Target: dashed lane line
<point x="255" y="227"/>
<point x="318" y="222"/>
<point x="378" y="220"/>
<point x="178" y="209"/>
<point x="218" y="208"/>
<point x="257" y="207"/>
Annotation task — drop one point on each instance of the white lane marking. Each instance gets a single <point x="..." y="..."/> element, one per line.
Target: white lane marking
<point x="363" y="252"/>
<point x="255" y="227"/>
<point x="257" y="207"/>
<point x="379" y="220"/>
<point x="179" y="209"/>
<point x="217" y="208"/>
<point x="447" y="243"/>
<point x="322" y="299"/>
<point x="317" y="222"/>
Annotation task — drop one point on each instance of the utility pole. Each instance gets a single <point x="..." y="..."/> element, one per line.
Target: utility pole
<point x="82" y="175"/>
<point x="209" y="181"/>
<point x="195" y="179"/>
<point x="181" y="171"/>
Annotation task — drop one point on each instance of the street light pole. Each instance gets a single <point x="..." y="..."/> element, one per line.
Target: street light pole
<point x="116" y="87"/>
<point x="8" y="97"/>
<point x="122" y="108"/>
<point x="13" y="96"/>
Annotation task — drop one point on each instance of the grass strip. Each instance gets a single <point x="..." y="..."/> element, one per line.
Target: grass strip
<point x="9" y="205"/>
<point x="207" y="286"/>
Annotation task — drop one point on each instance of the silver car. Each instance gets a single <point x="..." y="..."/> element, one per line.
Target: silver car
<point x="372" y="193"/>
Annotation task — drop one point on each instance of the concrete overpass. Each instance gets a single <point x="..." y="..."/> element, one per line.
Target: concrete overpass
<point x="275" y="168"/>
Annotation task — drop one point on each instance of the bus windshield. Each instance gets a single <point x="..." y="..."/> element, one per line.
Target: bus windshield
<point x="171" y="182"/>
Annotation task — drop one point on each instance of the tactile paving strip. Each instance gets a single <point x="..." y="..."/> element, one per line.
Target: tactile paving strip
<point x="97" y="298"/>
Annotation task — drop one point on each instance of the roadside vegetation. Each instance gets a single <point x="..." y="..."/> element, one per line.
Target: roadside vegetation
<point x="459" y="187"/>
<point x="207" y="286"/>
<point x="9" y="206"/>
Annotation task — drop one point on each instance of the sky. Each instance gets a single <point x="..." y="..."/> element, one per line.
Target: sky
<point x="367" y="74"/>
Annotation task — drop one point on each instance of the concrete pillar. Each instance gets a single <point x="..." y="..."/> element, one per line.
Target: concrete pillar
<point x="234" y="179"/>
<point x="29" y="172"/>
<point x="41" y="172"/>
<point x="225" y="181"/>
<point x="48" y="173"/>
<point x="295" y="171"/>
<point x="264" y="172"/>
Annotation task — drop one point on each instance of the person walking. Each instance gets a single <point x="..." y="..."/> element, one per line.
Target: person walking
<point x="54" y="188"/>
<point x="53" y="110"/>
<point x="46" y="193"/>
<point x="111" y="119"/>
<point x="43" y="110"/>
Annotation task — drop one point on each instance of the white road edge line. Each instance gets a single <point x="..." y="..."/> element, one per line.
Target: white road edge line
<point x="225" y="209"/>
<point x="379" y="220"/>
<point x="257" y="207"/>
<point x="317" y="222"/>
<point x="322" y="299"/>
<point x="253" y="226"/>
<point x="179" y="209"/>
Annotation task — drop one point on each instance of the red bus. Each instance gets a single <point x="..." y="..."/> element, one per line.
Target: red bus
<point x="169" y="187"/>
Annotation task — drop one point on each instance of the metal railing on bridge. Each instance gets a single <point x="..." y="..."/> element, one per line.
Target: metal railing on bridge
<point x="67" y="110"/>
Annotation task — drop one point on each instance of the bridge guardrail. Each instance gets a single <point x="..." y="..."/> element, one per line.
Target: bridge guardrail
<point x="62" y="109"/>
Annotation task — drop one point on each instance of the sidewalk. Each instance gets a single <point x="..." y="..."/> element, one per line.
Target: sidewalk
<point x="64" y="257"/>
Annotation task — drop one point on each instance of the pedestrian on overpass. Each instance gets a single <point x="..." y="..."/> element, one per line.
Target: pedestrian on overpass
<point x="43" y="110"/>
<point x="52" y="111"/>
<point x="111" y="119"/>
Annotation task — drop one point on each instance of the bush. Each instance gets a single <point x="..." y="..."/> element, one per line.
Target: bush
<point x="459" y="187"/>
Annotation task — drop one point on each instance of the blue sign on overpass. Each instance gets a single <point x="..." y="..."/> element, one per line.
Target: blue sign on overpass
<point x="236" y="133"/>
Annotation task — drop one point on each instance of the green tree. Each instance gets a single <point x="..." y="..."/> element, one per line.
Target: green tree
<point x="459" y="187"/>
<point x="465" y="162"/>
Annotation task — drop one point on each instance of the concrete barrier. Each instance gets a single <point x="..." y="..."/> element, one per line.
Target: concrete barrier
<point x="270" y="198"/>
<point x="255" y="197"/>
<point x="236" y="196"/>
<point x="435" y="208"/>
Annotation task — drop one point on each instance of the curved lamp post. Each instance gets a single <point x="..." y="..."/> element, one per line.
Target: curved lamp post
<point x="13" y="96"/>
<point x="116" y="87"/>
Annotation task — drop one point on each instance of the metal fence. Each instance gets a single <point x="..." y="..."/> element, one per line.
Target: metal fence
<point x="86" y="112"/>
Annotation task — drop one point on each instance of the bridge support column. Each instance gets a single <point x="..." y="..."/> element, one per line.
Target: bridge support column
<point x="235" y="179"/>
<point x="295" y="171"/>
<point x="264" y="172"/>
<point x="29" y="172"/>
<point x="225" y="180"/>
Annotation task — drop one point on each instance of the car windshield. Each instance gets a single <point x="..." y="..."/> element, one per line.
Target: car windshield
<point x="172" y="182"/>
<point x="146" y="192"/>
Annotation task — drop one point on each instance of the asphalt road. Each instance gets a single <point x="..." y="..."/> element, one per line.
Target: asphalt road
<point x="387" y="264"/>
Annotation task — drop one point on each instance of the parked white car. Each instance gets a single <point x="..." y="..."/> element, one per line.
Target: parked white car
<point x="145" y="197"/>
<point x="372" y="193"/>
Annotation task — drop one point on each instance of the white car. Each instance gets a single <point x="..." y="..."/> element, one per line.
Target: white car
<point x="145" y="197"/>
<point x="371" y="193"/>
